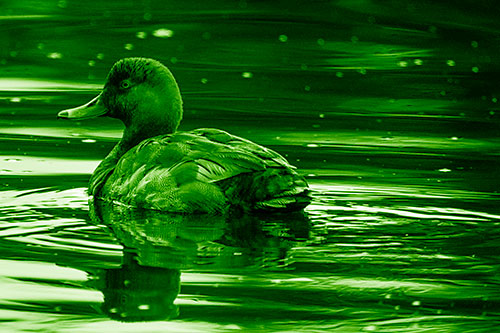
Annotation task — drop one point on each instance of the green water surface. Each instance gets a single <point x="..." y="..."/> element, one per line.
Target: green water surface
<point x="389" y="109"/>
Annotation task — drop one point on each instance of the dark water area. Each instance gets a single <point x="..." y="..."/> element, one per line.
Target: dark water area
<point x="389" y="109"/>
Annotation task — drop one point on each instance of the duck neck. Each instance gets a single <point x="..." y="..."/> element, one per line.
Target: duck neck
<point x="132" y="136"/>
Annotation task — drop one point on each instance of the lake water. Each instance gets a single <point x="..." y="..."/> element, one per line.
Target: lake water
<point x="389" y="110"/>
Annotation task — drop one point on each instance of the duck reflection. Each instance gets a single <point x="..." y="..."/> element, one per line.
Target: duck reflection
<point x="157" y="246"/>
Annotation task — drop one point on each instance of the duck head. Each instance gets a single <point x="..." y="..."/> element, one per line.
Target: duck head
<point x="142" y="93"/>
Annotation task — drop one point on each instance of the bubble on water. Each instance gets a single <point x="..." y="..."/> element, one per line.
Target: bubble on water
<point x="475" y="69"/>
<point x="113" y="310"/>
<point x="89" y="141"/>
<point x="416" y="303"/>
<point x="100" y="56"/>
<point x="454" y="138"/>
<point x="307" y="88"/>
<point x="450" y="63"/>
<point x="339" y="74"/>
<point x="388" y="296"/>
<point x="321" y="41"/>
<point x="403" y="64"/>
<point x="283" y="38"/>
<point x="163" y="33"/>
<point x="141" y="34"/>
<point x="474" y="44"/>
<point x="15" y="99"/>
<point x="322" y="115"/>
<point x="247" y="75"/>
<point x="204" y="80"/>
<point x="91" y="63"/>
<point x="143" y="307"/>
<point x="443" y="170"/>
<point x="237" y="253"/>
<point x="418" y="62"/>
<point x="492" y="113"/>
<point x="129" y="47"/>
<point x="54" y="55"/>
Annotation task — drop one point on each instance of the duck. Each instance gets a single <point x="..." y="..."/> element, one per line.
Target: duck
<point x="156" y="167"/>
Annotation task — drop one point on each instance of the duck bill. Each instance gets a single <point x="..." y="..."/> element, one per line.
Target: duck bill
<point x="92" y="109"/>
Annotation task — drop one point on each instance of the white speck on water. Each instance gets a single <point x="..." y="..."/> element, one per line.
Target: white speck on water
<point x="91" y="63"/>
<point x="283" y="38"/>
<point x="370" y="328"/>
<point x="444" y="170"/>
<point x="312" y="145"/>
<point x="454" y="138"/>
<point x="232" y="327"/>
<point x="416" y="303"/>
<point x="237" y="254"/>
<point x="322" y="115"/>
<point x="247" y="75"/>
<point x="204" y="80"/>
<point x="141" y="35"/>
<point x="129" y="46"/>
<point x="100" y="56"/>
<point x="418" y="62"/>
<point x="163" y="33"/>
<point x="54" y="55"/>
<point x="388" y="296"/>
<point x="450" y="63"/>
<point x="475" y="69"/>
<point x="403" y="64"/>
<point x="89" y="141"/>
<point x="15" y="99"/>
<point x="143" y="307"/>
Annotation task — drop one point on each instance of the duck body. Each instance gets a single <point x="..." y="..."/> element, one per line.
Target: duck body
<point x="199" y="171"/>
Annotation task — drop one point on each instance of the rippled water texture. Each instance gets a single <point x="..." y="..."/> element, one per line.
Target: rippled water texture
<point x="390" y="110"/>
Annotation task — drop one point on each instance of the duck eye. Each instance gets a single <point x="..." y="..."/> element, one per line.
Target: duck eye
<point x="125" y="84"/>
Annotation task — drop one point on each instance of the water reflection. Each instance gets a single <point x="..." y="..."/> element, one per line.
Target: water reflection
<point x="158" y="246"/>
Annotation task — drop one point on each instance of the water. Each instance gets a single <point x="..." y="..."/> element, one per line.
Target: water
<point x="389" y="110"/>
